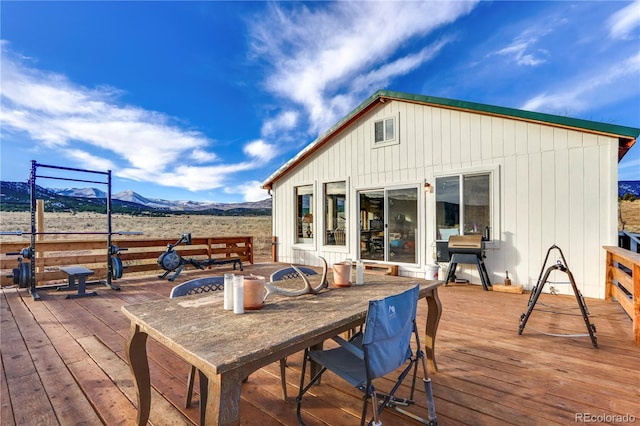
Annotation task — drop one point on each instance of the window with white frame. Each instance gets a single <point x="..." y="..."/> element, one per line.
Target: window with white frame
<point x="335" y="215"/>
<point x="304" y="214"/>
<point x="463" y="205"/>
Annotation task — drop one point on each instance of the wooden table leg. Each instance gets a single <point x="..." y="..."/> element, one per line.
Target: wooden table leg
<point x="139" y="364"/>
<point x="434" y="312"/>
<point x="222" y="398"/>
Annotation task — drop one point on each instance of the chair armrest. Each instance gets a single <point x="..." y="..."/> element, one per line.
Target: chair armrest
<point x="349" y="346"/>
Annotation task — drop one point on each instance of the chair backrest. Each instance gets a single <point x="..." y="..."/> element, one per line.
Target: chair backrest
<point x="290" y="273"/>
<point x="387" y="333"/>
<point x="339" y="236"/>
<point x="198" y="285"/>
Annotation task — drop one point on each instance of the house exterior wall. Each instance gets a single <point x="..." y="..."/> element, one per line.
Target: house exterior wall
<point x="550" y="186"/>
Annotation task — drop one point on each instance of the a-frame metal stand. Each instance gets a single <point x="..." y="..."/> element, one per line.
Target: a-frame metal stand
<point x="561" y="265"/>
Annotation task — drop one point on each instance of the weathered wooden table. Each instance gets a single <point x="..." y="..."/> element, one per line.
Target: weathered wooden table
<point x="226" y="347"/>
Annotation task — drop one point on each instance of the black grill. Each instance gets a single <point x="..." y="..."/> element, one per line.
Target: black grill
<point x="467" y="249"/>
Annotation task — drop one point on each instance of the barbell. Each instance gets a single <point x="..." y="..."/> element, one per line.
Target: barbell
<point x="18" y="232"/>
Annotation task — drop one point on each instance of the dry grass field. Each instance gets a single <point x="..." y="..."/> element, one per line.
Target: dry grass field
<point x="630" y="212"/>
<point x="173" y="226"/>
<point x="153" y="227"/>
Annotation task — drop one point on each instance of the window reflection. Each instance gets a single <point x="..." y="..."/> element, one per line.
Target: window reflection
<point x="335" y="217"/>
<point x="304" y="214"/>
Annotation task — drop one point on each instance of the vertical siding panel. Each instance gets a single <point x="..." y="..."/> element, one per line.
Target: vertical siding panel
<point x="562" y="201"/>
<point x="533" y="138"/>
<point x="575" y="252"/>
<point x="548" y="210"/>
<point x="546" y="138"/>
<point x="476" y="138"/>
<point x="362" y="152"/>
<point x="592" y="219"/>
<point x="574" y="139"/>
<point x="608" y="206"/>
<point x="560" y="139"/>
<point x="422" y="140"/>
<point x="535" y="211"/>
<point x="486" y="137"/>
<point x="398" y="157"/>
<point x="509" y="216"/>
<point x="509" y="131"/>
<point x="465" y="137"/>
<point x="497" y="137"/>
<point x="455" y="137"/>
<point x="521" y="138"/>
<point x="436" y="136"/>
<point x="412" y="141"/>
<point x="445" y="142"/>
<point x="589" y="140"/>
<point x="522" y="212"/>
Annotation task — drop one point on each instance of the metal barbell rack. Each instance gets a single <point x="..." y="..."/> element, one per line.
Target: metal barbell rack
<point x="27" y="274"/>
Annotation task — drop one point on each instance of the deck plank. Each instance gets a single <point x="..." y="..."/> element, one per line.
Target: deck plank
<point x="58" y="352"/>
<point x="65" y="403"/>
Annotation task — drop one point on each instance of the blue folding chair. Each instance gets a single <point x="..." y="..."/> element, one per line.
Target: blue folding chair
<point x="383" y="347"/>
<point x="198" y="285"/>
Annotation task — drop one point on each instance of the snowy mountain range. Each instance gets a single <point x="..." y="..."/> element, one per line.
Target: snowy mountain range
<point x="157" y="203"/>
<point x="17" y="193"/>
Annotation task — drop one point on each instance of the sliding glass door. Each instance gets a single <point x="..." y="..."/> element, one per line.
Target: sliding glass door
<point x="388" y="224"/>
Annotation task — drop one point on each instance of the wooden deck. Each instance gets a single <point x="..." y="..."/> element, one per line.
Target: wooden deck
<point x="63" y="363"/>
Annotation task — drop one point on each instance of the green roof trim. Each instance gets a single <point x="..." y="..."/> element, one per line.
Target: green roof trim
<point x="578" y="123"/>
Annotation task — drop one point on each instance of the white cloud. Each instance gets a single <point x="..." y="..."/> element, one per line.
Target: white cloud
<point x="596" y="86"/>
<point x="251" y="191"/>
<point x="286" y="120"/>
<point x="260" y="150"/>
<point x="315" y="53"/>
<point x="193" y="178"/>
<point x="140" y="144"/>
<point x="89" y="162"/>
<point x="379" y="77"/>
<point x="622" y="23"/>
<point x="201" y="156"/>
<point x="523" y="49"/>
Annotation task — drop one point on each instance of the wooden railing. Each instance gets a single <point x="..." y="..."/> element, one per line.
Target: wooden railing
<point x="140" y="256"/>
<point x="623" y="284"/>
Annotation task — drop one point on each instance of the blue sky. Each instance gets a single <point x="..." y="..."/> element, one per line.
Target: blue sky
<point x="204" y="100"/>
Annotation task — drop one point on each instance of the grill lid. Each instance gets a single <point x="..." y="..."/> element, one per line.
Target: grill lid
<point x="465" y="242"/>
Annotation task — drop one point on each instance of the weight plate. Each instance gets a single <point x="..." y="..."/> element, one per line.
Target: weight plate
<point x="16" y="275"/>
<point x="24" y="280"/>
<point x="116" y="263"/>
<point x="169" y="260"/>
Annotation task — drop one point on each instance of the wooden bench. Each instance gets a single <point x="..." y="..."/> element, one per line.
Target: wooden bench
<point x="80" y="273"/>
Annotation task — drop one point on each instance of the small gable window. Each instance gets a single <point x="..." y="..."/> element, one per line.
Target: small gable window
<point x="385" y="131"/>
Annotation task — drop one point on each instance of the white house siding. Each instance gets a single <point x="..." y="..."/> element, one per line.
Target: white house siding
<point x="554" y="186"/>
